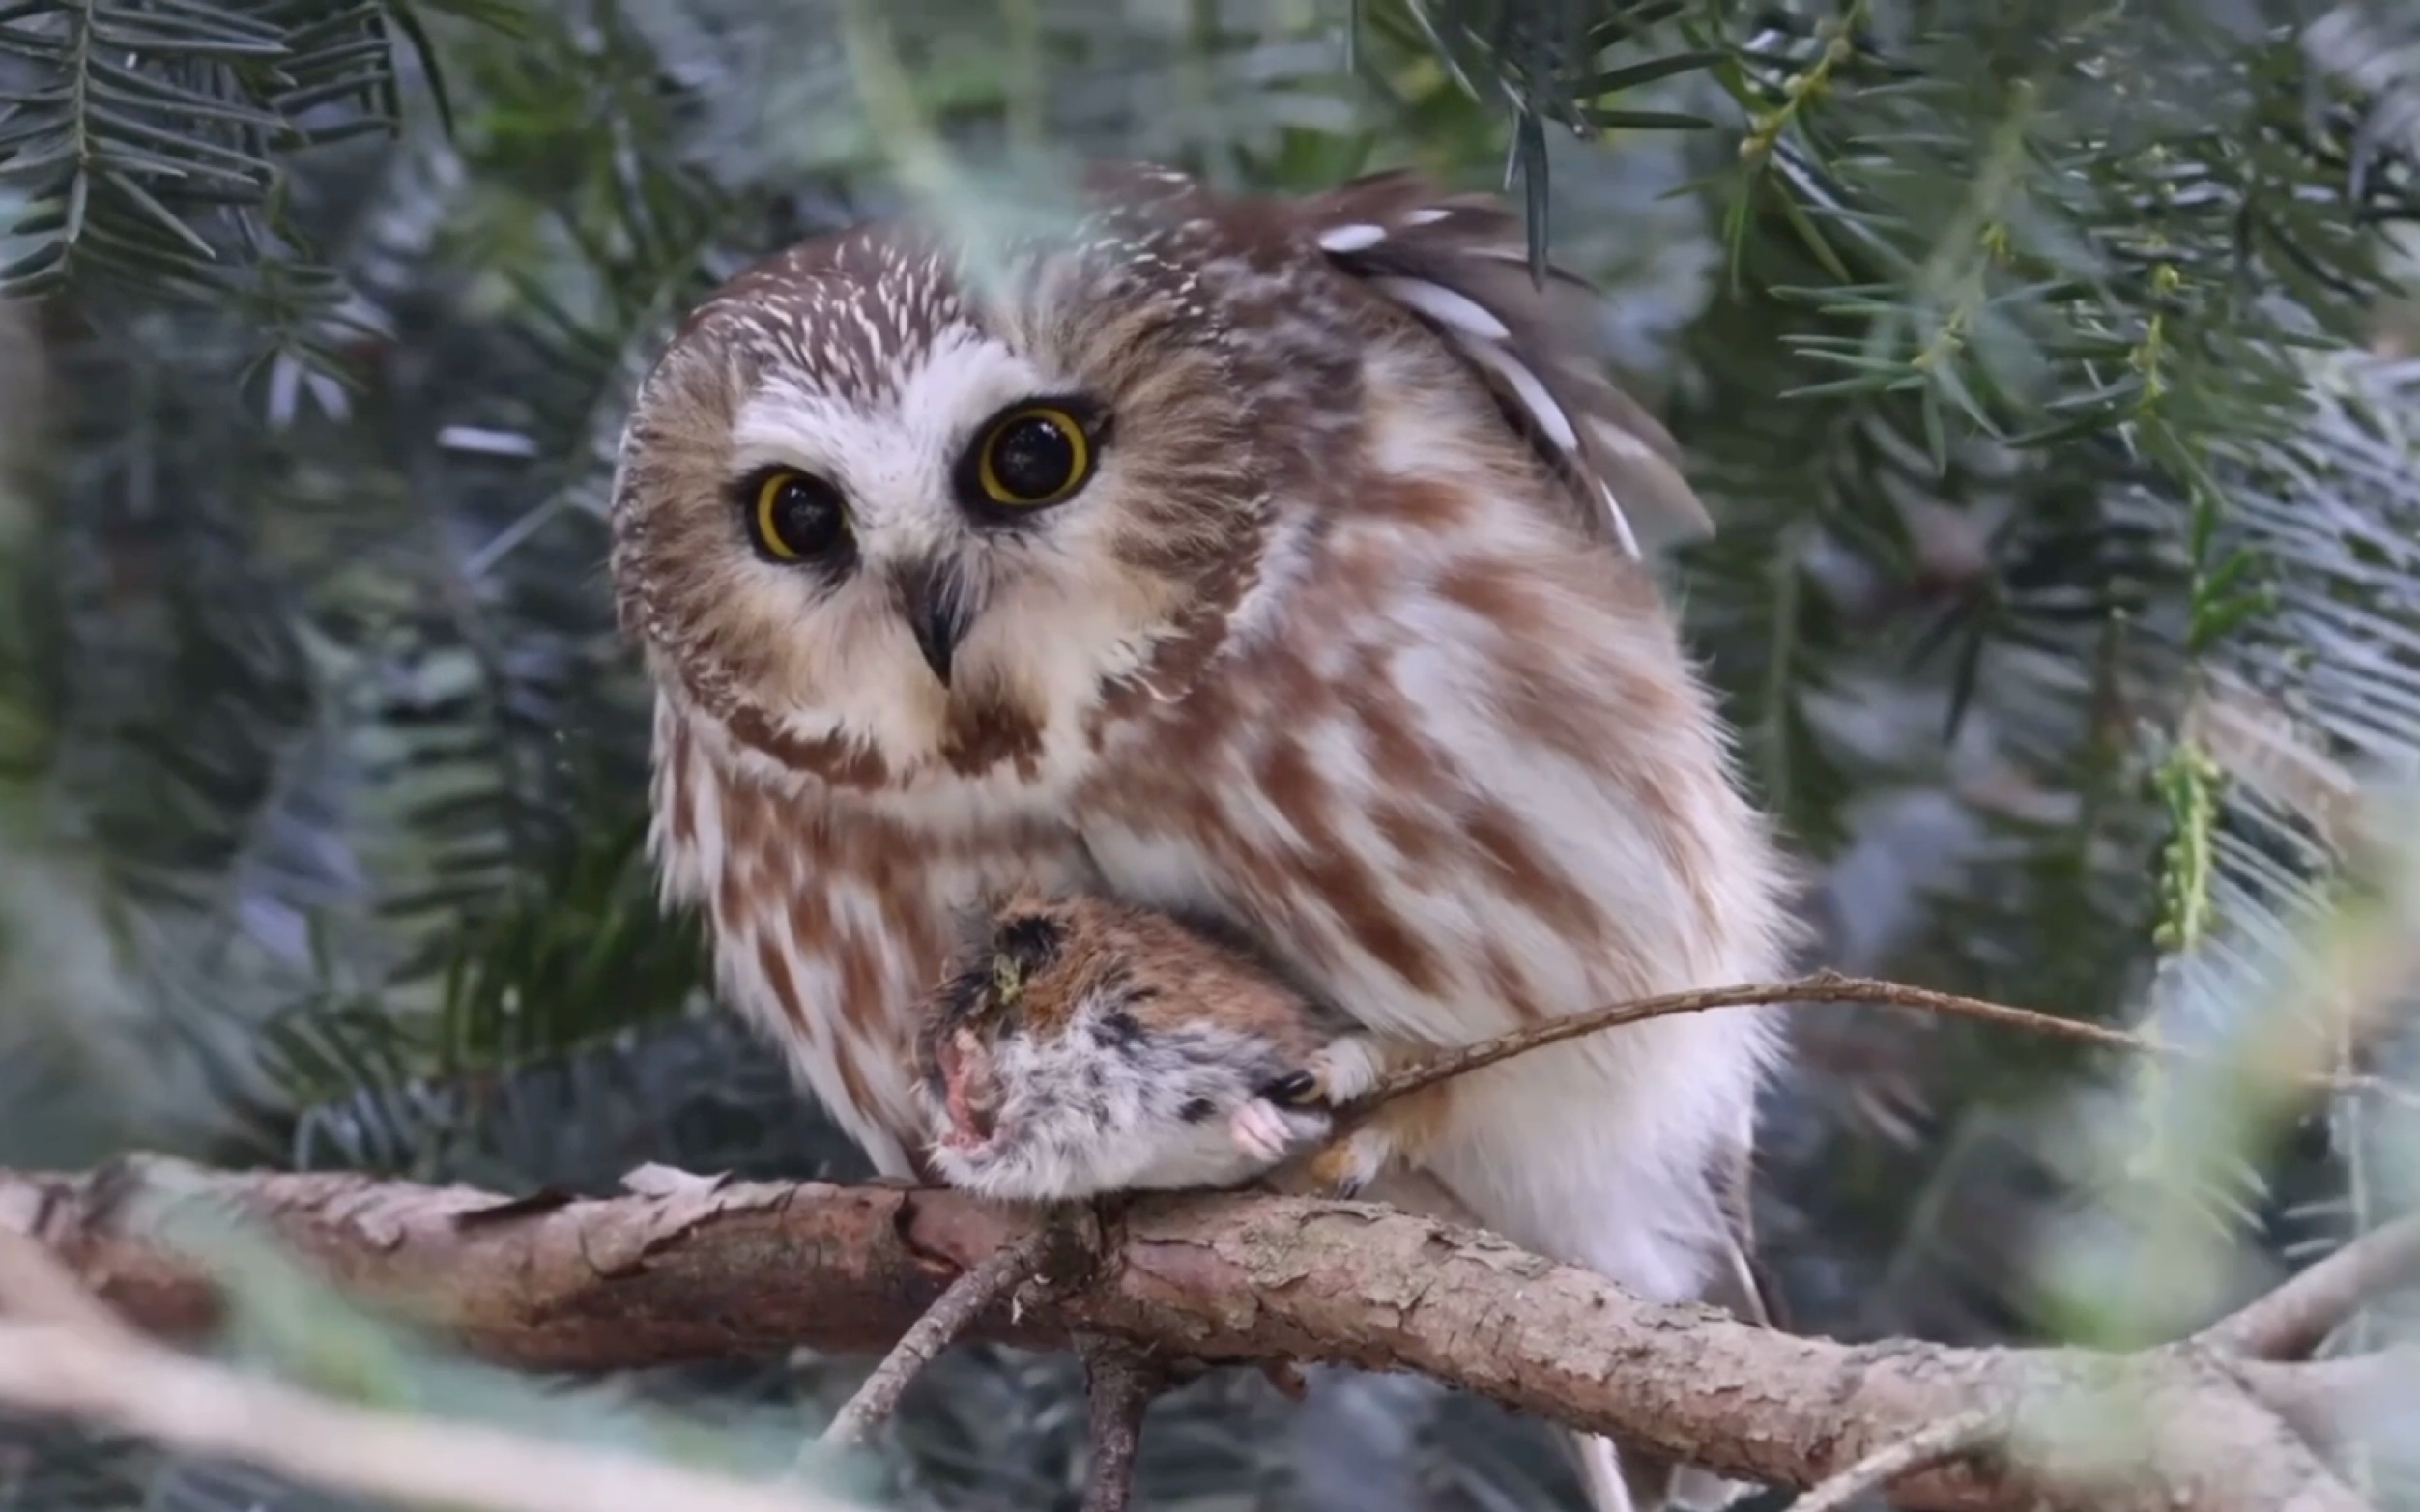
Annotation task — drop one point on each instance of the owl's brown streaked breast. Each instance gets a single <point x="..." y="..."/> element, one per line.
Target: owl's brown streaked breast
<point x="831" y="922"/>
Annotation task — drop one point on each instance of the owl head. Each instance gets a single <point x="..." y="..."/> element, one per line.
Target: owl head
<point x="902" y="511"/>
<point x="893" y="522"/>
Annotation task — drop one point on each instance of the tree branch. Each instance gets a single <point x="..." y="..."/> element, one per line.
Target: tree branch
<point x="2333" y="1401"/>
<point x="1121" y="1381"/>
<point x="709" y="1270"/>
<point x="975" y="1288"/>
<point x="51" y="1369"/>
<point x="2294" y="1319"/>
<point x="1943" y="1441"/>
<point x="1823" y="987"/>
<point x="63" y="1354"/>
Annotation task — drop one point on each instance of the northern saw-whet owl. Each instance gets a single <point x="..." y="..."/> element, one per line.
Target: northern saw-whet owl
<point x="1270" y="559"/>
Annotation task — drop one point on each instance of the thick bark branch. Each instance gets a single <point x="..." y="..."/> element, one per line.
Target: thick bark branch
<point x="699" y="1269"/>
<point x="64" y="1355"/>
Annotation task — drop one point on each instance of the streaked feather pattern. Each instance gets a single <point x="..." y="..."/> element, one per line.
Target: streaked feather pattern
<point x="1460" y="264"/>
<point x="1328" y="651"/>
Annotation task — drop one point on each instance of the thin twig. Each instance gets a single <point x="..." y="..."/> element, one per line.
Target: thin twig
<point x="1121" y="1381"/>
<point x="2292" y="1320"/>
<point x="1946" y="1440"/>
<point x="1823" y="987"/>
<point x="2336" y="1404"/>
<point x="949" y="1316"/>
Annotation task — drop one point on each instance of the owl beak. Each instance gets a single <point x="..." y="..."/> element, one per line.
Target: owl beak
<point x="937" y="615"/>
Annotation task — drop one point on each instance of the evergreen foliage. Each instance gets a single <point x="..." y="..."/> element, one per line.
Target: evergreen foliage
<point x="2043" y="361"/>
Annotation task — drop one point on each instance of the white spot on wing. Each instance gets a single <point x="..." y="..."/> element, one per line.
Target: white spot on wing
<point x="1621" y="522"/>
<point x="1533" y="394"/>
<point x="1622" y="443"/>
<point x="1441" y="303"/>
<point x="1352" y="239"/>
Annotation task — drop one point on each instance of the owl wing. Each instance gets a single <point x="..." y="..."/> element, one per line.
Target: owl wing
<point x="1460" y="264"/>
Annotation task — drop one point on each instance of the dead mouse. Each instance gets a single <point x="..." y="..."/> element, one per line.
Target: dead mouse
<point x="1081" y="1046"/>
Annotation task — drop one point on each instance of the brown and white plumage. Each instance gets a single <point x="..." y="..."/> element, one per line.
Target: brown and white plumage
<point x="1460" y="262"/>
<point x="1340" y="641"/>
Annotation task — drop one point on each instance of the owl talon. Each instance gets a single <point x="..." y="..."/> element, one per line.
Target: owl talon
<point x="1346" y="1068"/>
<point x="1345" y="1168"/>
<point x="1295" y="1088"/>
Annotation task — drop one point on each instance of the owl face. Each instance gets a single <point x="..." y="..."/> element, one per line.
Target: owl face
<point x="903" y="528"/>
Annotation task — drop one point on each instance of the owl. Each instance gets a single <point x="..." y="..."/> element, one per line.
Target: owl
<point x="1271" y="561"/>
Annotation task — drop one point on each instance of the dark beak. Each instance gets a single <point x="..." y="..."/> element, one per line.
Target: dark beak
<point x="937" y="615"/>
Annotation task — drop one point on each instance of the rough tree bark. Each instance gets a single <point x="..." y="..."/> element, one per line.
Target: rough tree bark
<point x="692" y="1267"/>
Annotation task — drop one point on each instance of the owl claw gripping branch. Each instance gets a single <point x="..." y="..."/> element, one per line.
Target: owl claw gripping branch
<point x="1081" y="1049"/>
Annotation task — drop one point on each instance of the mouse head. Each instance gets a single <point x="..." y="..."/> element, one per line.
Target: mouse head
<point x="1020" y="982"/>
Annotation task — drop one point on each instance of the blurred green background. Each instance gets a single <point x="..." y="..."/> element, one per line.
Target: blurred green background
<point x="2043" y="362"/>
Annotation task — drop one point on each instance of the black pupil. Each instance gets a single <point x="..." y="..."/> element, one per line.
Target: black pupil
<point x="806" y="516"/>
<point x="1033" y="458"/>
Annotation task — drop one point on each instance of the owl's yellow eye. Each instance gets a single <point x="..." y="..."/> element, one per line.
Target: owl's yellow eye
<point x="795" y="515"/>
<point x="1034" y="455"/>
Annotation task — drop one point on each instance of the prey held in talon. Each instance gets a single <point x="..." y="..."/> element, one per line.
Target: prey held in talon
<point x="1080" y="1048"/>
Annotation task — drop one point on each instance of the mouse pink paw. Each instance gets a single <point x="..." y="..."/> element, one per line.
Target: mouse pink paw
<point x="1260" y="1131"/>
